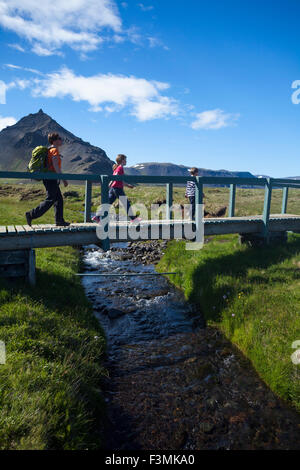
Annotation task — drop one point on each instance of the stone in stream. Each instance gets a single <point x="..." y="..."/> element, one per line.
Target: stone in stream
<point x="114" y="313"/>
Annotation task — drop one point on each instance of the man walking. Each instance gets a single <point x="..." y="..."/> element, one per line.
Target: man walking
<point x="54" y="196"/>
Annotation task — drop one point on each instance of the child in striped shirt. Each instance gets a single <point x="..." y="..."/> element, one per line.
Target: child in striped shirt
<point x="190" y="190"/>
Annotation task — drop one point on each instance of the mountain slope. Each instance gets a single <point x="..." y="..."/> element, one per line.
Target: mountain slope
<point x="17" y="142"/>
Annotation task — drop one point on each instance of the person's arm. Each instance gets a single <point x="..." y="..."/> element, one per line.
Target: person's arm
<point x="55" y="164"/>
<point x="120" y="171"/>
<point x="186" y="192"/>
<point x="56" y="168"/>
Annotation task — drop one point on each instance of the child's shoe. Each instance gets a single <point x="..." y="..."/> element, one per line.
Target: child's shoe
<point x="136" y="220"/>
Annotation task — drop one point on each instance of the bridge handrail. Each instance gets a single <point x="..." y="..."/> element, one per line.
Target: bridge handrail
<point x="280" y="182"/>
<point x="134" y="178"/>
<point x="232" y="182"/>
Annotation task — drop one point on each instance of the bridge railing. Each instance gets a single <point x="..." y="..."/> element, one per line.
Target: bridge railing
<point x="233" y="182"/>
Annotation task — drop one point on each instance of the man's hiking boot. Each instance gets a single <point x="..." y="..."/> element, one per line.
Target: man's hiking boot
<point x="28" y="218"/>
<point x="63" y="223"/>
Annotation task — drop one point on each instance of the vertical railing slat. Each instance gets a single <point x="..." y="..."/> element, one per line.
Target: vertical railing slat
<point x="88" y="200"/>
<point x="104" y="200"/>
<point x="231" y="210"/>
<point x="267" y="207"/>
<point x="198" y="200"/>
<point x="169" y="200"/>
<point x="285" y="195"/>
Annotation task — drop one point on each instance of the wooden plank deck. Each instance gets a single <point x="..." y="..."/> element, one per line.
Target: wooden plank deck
<point x="47" y="235"/>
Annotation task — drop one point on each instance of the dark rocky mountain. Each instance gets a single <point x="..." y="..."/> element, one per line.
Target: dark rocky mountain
<point x="17" y="142"/>
<point x="168" y="169"/>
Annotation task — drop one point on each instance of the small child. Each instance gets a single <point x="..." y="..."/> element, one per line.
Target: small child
<point x="190" y="190"/>
<point x="116" y="188"/>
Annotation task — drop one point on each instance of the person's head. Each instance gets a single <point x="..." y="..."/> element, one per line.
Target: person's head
<point x="193" y="171"/>
<point x="55" y="139"/>
<point x="121" y="159"/>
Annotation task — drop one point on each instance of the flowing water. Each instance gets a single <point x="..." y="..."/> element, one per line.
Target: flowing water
<point x="132" y="309"/>
<point x="171" y="384"/>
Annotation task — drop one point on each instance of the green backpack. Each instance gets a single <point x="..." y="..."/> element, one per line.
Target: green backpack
<point x="39" y="159"/>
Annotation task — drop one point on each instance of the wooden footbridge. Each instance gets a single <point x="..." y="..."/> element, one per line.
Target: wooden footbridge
<point x="18" y="239"/>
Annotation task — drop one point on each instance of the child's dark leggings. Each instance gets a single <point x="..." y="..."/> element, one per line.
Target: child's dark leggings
<point x="115" y="193"/>
<point x="192" y="202"/>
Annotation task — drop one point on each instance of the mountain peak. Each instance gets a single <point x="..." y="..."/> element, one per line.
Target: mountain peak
<point x="18" y="141"/>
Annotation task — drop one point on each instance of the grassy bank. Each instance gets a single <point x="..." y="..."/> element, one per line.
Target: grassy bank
<point x="253" y="296"/>
<point x="50" y="396"/>
<point x="50" y="386"/>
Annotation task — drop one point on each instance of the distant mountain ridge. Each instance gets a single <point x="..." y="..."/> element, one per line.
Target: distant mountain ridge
<point x="170" y="169"/>
<point x="17" y="142"/>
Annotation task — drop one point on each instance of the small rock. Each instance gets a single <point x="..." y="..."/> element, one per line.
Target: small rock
<point x="206" y="427"/>
<point x="115" y="313"/>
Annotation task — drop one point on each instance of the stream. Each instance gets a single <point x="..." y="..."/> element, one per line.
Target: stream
<point x="174" y="384"/>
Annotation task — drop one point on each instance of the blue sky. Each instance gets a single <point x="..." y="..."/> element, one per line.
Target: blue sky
<point x="202" y="83"/>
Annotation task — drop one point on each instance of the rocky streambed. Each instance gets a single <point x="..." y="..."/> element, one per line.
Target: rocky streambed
<point x="174" y="384"/>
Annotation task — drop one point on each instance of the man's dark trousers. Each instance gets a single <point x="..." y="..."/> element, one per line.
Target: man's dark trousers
<point x="54" y="197"/>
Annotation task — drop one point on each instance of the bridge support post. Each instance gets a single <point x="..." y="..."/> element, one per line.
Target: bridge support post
<point x="16" y="264"/>
<point x="104" y="200"/>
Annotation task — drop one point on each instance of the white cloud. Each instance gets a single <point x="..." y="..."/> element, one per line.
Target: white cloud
<point x="6" y="121"/>
<point x="17" y="47"/>
<point x="38" y="49"/>
<point x="145" y="7"/>
<point x="3" y="88"/>
<point x="155" y="42"/>
<point x="18" y="83"/>
<point x="162" y="107"/>
<point x="51" y="24"/>
<point x="116" y="92"/>
<point x="214" y="119"/>
<point x="26" y="69"/>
